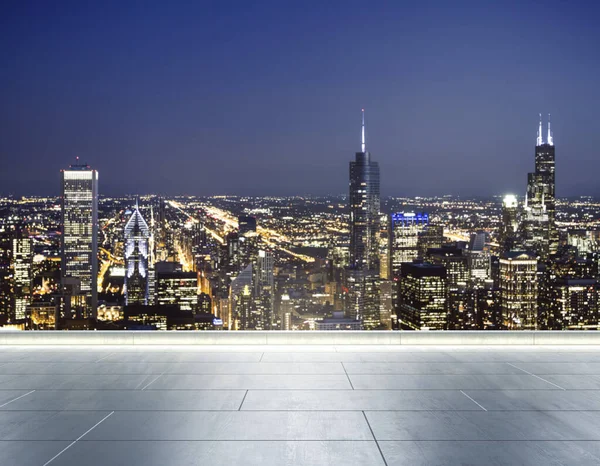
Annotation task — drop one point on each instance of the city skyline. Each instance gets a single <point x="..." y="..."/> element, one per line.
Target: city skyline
<point x="325" y="233"/>
<point x="540" y="140"/>
<point x="205" y="264"/>
<point x="210" y="104"/>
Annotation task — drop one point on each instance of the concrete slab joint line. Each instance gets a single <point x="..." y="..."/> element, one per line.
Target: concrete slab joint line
<point x="473" y="400"/>
<point x="536" y="376"/>
<point x="78" y="438"/>
<point x="373" y="434"/>
<point x="101" y="359"/>
<point x="243" y="399"/>
<point x="17" y="398"/>
<point x="155" y="379"/>
<point x="350" y="381"/>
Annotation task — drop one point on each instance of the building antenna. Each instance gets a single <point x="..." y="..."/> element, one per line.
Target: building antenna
<point x="550" y="138"/>
<point x="363" y="144"/>
<point x="539" y="138"/>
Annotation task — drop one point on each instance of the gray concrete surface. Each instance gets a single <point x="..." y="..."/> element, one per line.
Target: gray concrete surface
<point x="299" y="405"/>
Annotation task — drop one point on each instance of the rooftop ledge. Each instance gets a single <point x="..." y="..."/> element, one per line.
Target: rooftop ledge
<point x="344" y="337"/>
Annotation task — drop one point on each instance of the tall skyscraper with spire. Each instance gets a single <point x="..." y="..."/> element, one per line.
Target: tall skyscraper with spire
<point x="79" y="240"/>
<point x="362" y="276"/>
<point x="137" y="256"/>
<point x="539" y="224"/>
<point x="364" y="208"/>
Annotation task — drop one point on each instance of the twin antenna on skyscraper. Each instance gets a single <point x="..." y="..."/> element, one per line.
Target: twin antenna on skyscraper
<point x="540" y="139"/>
<point x="550" y="140"/>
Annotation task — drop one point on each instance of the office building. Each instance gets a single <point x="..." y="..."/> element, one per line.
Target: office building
<point x="137" y="256"/>
<point x="240" y="300"/>
<point x="585" y="241"/>
<point x="385" y="260"/>
<point x="264" y="289"/>
<point x="246" y="224"/>
<point x="455" y="261"/>
<point x="386" y="303"/>
<point x="405" y="230"/>
<point x="21" y="262"/>
<point x="509" y="228"/>
<point x="519" y="290"/>
<point x="479" y="266"/>
<point x="338" y="322"/>
<point x="286" y="308"/>
<point x="576" y="304"/>
<point x="177" y="288"/>
<point x="361" y="296"/>
<point x="167" y="317"/>
<point x="79" y="240"/>
<point x="422" y="297"/>
<point x="231" y="250"/>
<point x="478" y="241"/>
<point x="432" y="236"/>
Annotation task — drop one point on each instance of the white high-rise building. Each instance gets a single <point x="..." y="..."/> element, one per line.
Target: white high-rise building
<point x="79" y="241"/>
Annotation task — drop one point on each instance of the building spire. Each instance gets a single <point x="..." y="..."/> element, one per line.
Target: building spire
<point x="539" y="136"/>
<point x="550" y="138"/>
<point x="363" y="146"/>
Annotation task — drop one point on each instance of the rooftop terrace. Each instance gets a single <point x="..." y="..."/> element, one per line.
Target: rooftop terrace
<point x="343" y="398"/>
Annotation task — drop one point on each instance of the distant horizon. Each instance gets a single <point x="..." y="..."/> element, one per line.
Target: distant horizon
<point x="339" y="195"/>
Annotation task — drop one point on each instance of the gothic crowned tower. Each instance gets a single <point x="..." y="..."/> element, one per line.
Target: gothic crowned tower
<point x="137" y="254"/>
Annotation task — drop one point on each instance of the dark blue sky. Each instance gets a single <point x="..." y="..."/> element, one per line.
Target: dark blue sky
<point x="231" y="97"/>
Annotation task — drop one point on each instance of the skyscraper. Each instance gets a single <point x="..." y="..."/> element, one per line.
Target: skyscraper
<point x="240" y="300"/>
<point x="510" y="223"/>
<point x="540" y="233"/>
<point x="455" y="261"/>
<point x="362" y="276"/>
<point x="519" y="290"/>
<point x="385" y="262"/>
<point x="405" y="229"/>
<point x="79" y="240"/>
<point x="137" y="255"/>
<point x="364" y="209"/>
<point x="22" y="254"/>
<point x="575" y="303"/>
<point x="361" y="296"/>
<point x="264" y="289"/>
<point x="422" y="297"/>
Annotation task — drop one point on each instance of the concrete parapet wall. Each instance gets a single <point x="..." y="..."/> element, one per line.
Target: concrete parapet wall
<point x="299" y="338"/>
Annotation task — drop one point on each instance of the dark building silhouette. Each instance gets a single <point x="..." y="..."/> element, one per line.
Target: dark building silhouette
<point x="246" y="224"/>
<point x="539" y="222"/>
<point x="364" y="209"/>
<point x="422" y="297"/>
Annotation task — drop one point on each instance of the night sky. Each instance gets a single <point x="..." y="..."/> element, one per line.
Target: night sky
<point x="231" y="97"/>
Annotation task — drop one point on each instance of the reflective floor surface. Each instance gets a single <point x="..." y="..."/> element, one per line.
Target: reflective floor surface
<point x="302" y="405"/>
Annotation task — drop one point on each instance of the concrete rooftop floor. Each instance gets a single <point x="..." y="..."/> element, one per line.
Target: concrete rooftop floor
<point x="299" y="405"/>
